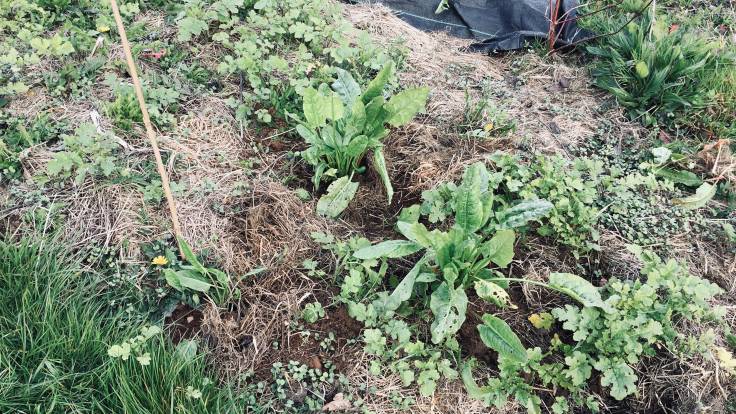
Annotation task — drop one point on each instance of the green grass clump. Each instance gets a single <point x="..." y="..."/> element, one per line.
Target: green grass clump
<point x="656" y="72"/>
<point x="56" y="331"/>
<point x="665" y="70"/>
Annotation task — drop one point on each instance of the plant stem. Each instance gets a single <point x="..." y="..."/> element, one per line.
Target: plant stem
<point x="513" y="279"/>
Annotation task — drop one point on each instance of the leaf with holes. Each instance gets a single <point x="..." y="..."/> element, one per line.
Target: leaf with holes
<point x="448" y="304"/>
<point x="493" y="293"/>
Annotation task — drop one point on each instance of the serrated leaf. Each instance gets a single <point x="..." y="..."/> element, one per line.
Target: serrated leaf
<point x="391" y="249"/>
<point x="379" y="163"/>
<point x="375" y="87"/>
<point x="403" y="106"/>
<point x="190" y="27"/>
<point x="500" y="249"/>
<point x="524" y="212"/>
<point x="338" y="196"/>
<point x="577" y="288"/>
<point x="619" y="376"/>
<point x="448" y="306"/>
<point x="497" y="335"/>
<point x="701" y="197"/>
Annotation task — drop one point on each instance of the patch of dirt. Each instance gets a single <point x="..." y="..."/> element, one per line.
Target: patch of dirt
<point x="184" y="323"/>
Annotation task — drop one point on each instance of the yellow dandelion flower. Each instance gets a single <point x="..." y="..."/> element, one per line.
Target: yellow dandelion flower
<point x="489" y="127"/>
<point x="103" y="28"/>
<point x="160" y="261"/>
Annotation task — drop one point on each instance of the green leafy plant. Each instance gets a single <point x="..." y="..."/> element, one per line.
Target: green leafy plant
<point x="87" y="152"/>
<point x="301" y="389"/>
<point x="565" y="193"/>
<point x="282" y="47"/>
<point x="454" y="260"/>
<point x="18" y="135"/>
<point x="313" y="312"/>
<point x="636" y="318"/>
<point x="196" y="277"/>
<point x="358" y="124"/>
<point x="656" y="72"/>
<point x="134" y="346"/>
<point x="641" y="314"/>
<point x="482" y="118"/>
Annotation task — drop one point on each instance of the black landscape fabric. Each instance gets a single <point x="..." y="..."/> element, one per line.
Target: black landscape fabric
<point x="497" y="25"/>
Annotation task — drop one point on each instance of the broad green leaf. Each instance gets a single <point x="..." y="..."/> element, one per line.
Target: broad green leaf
<point x="500" y="249"/>
<point x="701" y="197"/>
<point x="173" y="279"/>
<point x="186" y="279"/>
<point x="448" y="305"/>
<point x="577" y="288"/>
<point x="310" y="136"/>
<point x="468" y="206"/>
<point x="346" y="87"/>
<point x="497" y="335"/>
<point x="220" y="276"/>
<point x="379" y="163"/>
<point x="487" y="199"/>
<point x="375" y="87"/>
<point x="403" y="106"/>
<point x="375" y="116"/>
<point x="404" y="289"/>
<point x="358" y="146"/>
<point x="410" y="214"/>
<point x="493" y="293"/>
<point x="419" y="234"/>
<point x="190" y="256"/>
<point x="391" y="249"/>
<point x="337" y="198"/>
<point x="355" y="125"/>
<point x="524" y="212"/>
<point x="687" y="178"/>
<point x="190" y="27"/>
<point x="318" y="107"/>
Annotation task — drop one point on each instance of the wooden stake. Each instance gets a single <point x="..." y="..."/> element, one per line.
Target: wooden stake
<point x="147" y="123"/>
